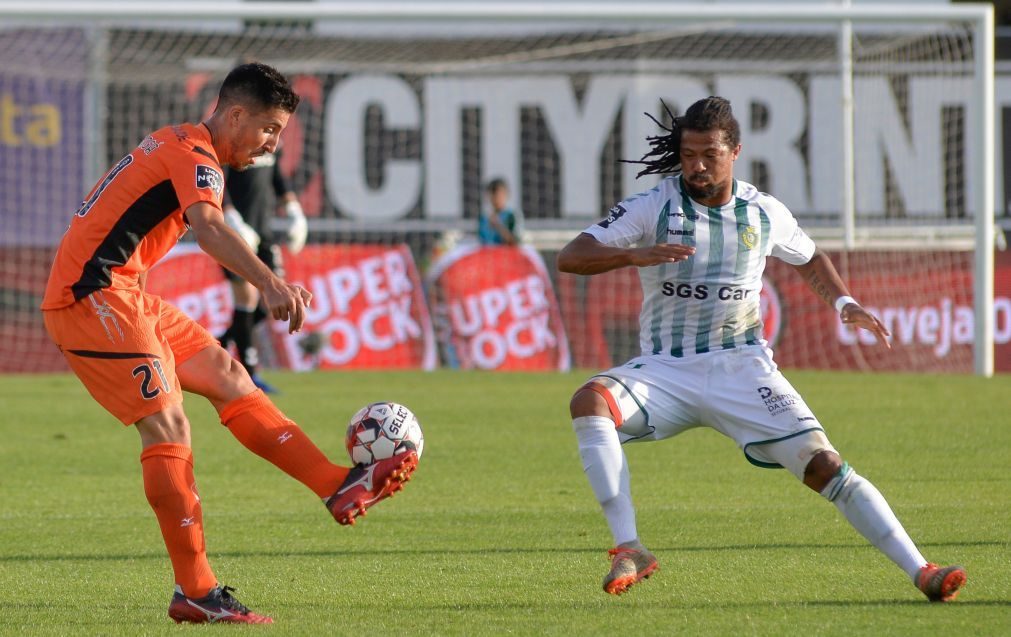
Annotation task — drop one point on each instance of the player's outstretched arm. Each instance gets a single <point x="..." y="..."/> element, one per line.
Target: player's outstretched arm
<point x="826" y="283"/>
<point x="284" y="301"/>
<point x="586" y="255"/>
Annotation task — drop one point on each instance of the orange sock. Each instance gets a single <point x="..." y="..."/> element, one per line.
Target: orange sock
<point x="259" y="425"/>
<point x="172" y="493"/>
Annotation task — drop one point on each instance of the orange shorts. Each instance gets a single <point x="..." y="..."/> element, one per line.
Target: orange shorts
<point x="124" y="345"/>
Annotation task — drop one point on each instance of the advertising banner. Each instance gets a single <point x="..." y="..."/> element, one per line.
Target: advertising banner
<point x="924" y="299"/>
<point x="367" y="311"/>
<point x="496" y="309"/>
<point x="25" y="345"/>
<point x="42" y="82"/>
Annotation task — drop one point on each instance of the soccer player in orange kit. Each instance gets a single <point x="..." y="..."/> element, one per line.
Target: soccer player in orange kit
<point x="135" y="353"/>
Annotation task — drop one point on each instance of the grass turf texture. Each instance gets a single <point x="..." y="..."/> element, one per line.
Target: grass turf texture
<point x="499" y="533"/>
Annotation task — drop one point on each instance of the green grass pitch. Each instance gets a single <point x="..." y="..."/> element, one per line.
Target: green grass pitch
<point x="498" y="533"/>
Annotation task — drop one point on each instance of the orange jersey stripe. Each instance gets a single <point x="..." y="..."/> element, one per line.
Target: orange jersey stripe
<point x="134" y="215"/>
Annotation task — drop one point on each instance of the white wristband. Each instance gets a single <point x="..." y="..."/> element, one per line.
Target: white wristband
<point x="843" y="301"/>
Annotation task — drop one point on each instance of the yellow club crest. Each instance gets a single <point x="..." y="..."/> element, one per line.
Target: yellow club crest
<point x="749" y="236"/>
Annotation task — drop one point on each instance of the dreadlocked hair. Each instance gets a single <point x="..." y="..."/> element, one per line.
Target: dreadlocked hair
<point x="664" y="155"/>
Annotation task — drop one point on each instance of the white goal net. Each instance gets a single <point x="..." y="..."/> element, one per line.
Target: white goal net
<point x="409" y="109"/>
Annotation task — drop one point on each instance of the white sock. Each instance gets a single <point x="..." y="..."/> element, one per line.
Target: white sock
<point x="866" y="509"/>
<point x="605" y="465"/>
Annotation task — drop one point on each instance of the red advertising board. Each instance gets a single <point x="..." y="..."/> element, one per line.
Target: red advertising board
<point x="370" y="297"/>
<point x="25" y="345"/>
<point x="496" y="309"/>
<point x="368" y="310"/>
<point x="924" y="299"/>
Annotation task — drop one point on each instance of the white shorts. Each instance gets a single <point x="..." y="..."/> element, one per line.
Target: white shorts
<point x="738" y="392"/>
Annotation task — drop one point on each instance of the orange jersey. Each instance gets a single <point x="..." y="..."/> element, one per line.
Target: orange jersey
<point x="134" y="215"/>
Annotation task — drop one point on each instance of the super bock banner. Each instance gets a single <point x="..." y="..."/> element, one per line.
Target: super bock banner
<point x="367" y="311"/>
<point x="495" y="309"/>
<point x="367" y="308"/>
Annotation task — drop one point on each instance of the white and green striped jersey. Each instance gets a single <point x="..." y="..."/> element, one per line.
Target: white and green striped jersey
<point x="710" y="301"/>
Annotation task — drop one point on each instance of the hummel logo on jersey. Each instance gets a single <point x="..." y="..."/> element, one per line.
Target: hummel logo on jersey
<point x="211" y="615"/>
<point x="188" y="521"/>
<point x="285" y="437"/>
<point x="365" y="480"/>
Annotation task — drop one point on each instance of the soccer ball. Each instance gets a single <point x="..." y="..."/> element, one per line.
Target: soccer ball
<point x="382" y="430"/>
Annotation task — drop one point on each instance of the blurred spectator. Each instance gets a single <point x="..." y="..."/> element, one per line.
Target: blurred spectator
<point x="251" y="197"/>
<point x="498" y="224"/>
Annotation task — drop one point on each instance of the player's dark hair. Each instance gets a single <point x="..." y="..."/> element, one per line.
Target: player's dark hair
<point x="495" y="184"/>
<point x="259" y="86"/>
<point x="665" y="150"/>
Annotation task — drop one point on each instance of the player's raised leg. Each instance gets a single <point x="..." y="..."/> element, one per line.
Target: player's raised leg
<point x="256" y="422"/>
<point x="606" y="468"/>
<point x="262" y="428"/>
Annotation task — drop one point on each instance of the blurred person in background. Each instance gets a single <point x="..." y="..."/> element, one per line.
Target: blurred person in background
<point x="498" y="224"/>
<point x="251" y="198"/>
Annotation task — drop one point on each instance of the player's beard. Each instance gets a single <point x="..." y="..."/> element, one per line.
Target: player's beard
<point x="248" y="163"/>
<point x="248" y="158"/>
<point x="702" y="192"/>
<point x="237" y="163"/>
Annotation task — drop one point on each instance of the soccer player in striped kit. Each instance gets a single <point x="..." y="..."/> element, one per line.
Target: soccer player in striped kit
<point x="700" y="240"/>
